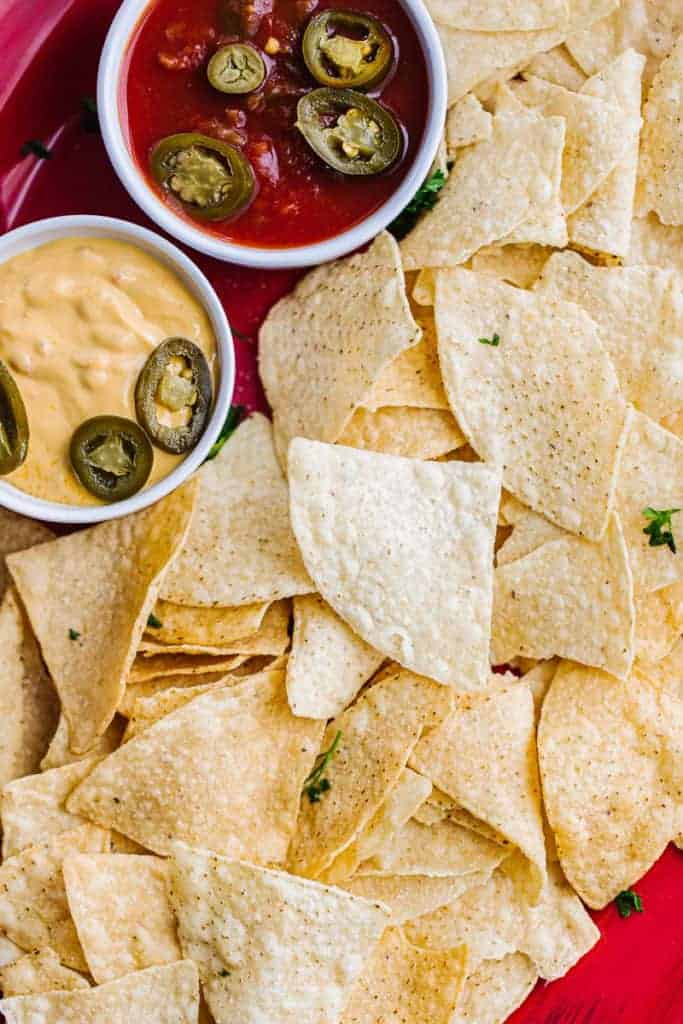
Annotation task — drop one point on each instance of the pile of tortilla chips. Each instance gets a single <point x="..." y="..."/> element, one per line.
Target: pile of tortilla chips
<point x="255" y="763"/>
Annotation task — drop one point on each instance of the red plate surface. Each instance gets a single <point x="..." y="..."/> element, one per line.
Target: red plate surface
<point x="50" y="50"/>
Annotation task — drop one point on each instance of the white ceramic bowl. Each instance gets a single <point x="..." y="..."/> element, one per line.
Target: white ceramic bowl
<point x="44" y="231"/>
<point x="108" y="91"/>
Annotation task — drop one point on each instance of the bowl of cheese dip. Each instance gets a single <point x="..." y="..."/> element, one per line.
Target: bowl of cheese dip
<point x="123" y="359"/>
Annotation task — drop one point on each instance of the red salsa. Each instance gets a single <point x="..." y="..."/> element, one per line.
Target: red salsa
<point x="289" y="185"/>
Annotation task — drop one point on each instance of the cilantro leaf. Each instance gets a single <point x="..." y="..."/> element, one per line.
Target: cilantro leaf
<point x="424" y="199"/>
<point x="495" y="341"/>
<point x="153" y="622"/>
<point x="34" y="147"/>
<point x="89" y="118"/>
<point x="659" y="528"/>
<point x="234" y="418"/>
<point x="627" y="902"/>
<point x="74" y="634"/>
<point x="315" y="785"/>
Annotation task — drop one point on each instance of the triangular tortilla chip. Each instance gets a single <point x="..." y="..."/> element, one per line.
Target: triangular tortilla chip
<point x="661" y="146"/>
<point x="494" y="990"/>
<point x="437" y="851"/>
<point x="557" y="66"/>
<point x="647" y="352"/>
<point x="467" y="123"/>
<point x="315" y="367"/>
<point x="603" y="223"/>
<point x="89" y="595"/>
<point x="484" y="758"/>
<point x="17" y="533"/>
<point x="402" y="550"/>
<point x="59" y="753"/>
<point x="413" y="378"/>
<point x="611" y="757"/>
<point x="517" y="264"/>
<point x="271" y="638"/>
<point x="412" y="433"/>
<point x="163" y="995"/>
<point x="240" y="549"/>
<point x="494" y="187"/>
<point x="328" y="664"/>
<point x="411" y="896"/>
<point x="147" y="688"/>
<point x="540" y="603"/>
<point x="29" y="708"/>
<point x="119" y="904"/>
<point x="651" y="476"/>
<point x="38" y="972"/>
<point x="505" y="16"/>
<point x="148" y="710"/>
<point x="148" y="667"/>
<point x="257" y="935"/>
<point x="598" y="134"/>
<point x="405" y="983"/>
<point x="34" y="807"/>
<point x="33" y="908"/>
<point x="655" y="243"/>
<point x="440" y="807"/>
<point x="530" y="531"/>
<point x="495" y="919"/>
<point x="211" y="627"/>
<point x="543" y="402"/>
<point x="225" y="771"/>
<point x="378" y="733"/>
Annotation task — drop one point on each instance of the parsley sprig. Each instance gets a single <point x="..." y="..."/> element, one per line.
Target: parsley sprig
<point x="74" y="634"/>
<point x="627" y="902"/>
<point x="232" y="422"/>
<point x="315" y="785"/>
<point x="424" y="199"/>
<point x="495" y="340"/>
<point x="153" y="622"/>
<point x="659" y="528"/>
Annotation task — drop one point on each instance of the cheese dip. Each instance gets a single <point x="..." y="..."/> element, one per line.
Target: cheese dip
<point x="79" y="318"/>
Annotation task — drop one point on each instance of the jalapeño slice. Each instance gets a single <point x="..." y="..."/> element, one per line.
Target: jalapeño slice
<point x="111" y="456"/>
<point x="347" y="49"/>
<point x="236" y="68"/>
<point x="351" y="132"/>
<point x="212" y="179"/>
<point x="175" y="383"/>
<point x="14" y="432"/>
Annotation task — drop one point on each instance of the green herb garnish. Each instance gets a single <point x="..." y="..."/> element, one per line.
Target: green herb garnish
<point x="424" y="199"/>
<point x="74" y="634"/>
<point x="495" y="341"/>
<point x="153" y="622"/>
<point x="34" y="147"/>
<point x="89" y="118"/>
<point x="224" y="973"/>
<point x="659" y="527"/>
<point x="627" y="902"/>
<point x="232" y="422"/>
<point x="315" y="785"/>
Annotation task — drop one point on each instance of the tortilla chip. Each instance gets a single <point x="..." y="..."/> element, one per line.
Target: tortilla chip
<point x="603" y="223"/>
<point x="667" y="673"/>
<point x="59" y="753"/>
<point x="33" y="908"/>
<point x="149" y="688"/>
<point x="611" y="758"/>
<point x="323" y="347"/>
<point x="413" y="379"/>
<point x="240" y="549"/>
<point x="647" y="353"/>
<point x="484" y="758"/>
<point x="148" y="710"/>
<point x="255" y="932"/>
<point x="38" y="972"/>
<point x="271" y="638"/>
<point x="29" y="707"/>
<point x="657" y="631"/>
<point x="494" y="187"/>
<point x="494" y="989"/>
<point x="151" y="667"/>
<point x="404" y="983"/>
<point x="559" y="457"/>
<point x="225" y="771"/>
<point x="557" y="66"/>
<point x="34" y="807"/>
<point x="378" y="733"/>
<point x="211" y="627"/>
<point x="440" y="807"/>
<point x="400" y="804"/>
<point x="598" y="134"/>
<point x="17" y="533"/>
<point x="119" y="904"/>
<point x="89" y="595"/>
<point x="651" y="476"/>
<point x="508" y="16"/>
<point x="328" y="664"/>
<point x="530" y="531"/>
<point x="517" y="264"/>
<point x="495" y="919"/>
<point x="411" y="433"/>
<point x="437" y="851"/>
<point x="655" y="243"/>
<point x="164" y="995"/>
<point x="661" y="146"/>
<point x="467" y="123"/>
<point x="402" y="551"/>
<point x="540" y="602"/>
<point x="411" y="896"/>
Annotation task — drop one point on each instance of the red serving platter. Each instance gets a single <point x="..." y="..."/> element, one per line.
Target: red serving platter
<point x="49" y="54"/>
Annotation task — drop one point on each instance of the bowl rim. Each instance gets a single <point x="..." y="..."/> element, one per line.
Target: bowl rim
<point x="111" y="63"/>
<point x="85" y="225"/>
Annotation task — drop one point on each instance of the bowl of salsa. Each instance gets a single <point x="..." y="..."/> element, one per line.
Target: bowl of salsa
<point x="272" y="133"/>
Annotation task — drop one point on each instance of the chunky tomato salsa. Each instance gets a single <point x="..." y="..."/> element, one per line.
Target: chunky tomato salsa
<point x="275" y="122"/>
